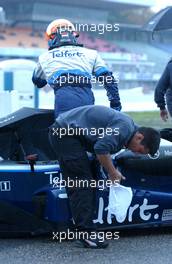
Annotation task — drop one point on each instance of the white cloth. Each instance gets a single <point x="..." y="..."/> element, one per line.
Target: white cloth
<point x="120" y="198"/>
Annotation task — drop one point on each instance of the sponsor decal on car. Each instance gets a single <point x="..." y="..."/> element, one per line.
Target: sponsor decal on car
<point x="5" y="186"/>
<point x="167" y="215"/>
<point x="54" y="177"/>
<point x="143" y="210"/>
<point x="168" y="153"/>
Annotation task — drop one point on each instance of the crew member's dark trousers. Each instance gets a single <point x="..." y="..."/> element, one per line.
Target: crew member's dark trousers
<point x="75" y="166"/>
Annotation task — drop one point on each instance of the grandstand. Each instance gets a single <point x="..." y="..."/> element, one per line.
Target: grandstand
<point x="29" y="38"/>
<point x="128" y="51"/>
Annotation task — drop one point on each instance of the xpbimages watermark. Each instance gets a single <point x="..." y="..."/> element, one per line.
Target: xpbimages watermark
<point x="101" y="28"/>
<point x="80" y="131"/>
<point x="79" y="183"/>
<point x="71" y="79"/>
<point x="80" y="235"/>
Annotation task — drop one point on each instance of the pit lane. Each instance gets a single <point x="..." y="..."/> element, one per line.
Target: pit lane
<point x="148" y="246"/>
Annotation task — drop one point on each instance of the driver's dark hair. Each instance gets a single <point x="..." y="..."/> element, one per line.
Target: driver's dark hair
<point x="151" y="139"/>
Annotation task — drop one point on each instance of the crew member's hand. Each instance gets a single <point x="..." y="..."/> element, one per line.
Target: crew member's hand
<point x="116" y="177"/>
<point x="164" y="115"/>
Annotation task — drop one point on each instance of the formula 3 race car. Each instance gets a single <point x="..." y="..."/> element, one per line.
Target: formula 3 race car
<point x="32" y="202"/>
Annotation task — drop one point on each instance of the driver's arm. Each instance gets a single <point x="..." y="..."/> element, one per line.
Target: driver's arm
<point x="106" y="77"/>
<point x="38" y="77"/>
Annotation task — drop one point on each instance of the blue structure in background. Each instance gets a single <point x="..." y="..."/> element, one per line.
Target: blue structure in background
<point x="8" y="81"/>
<point x="9" y="86"/>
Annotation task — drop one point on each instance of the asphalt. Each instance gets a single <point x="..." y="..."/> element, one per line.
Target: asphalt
<point x="139" y="247"/>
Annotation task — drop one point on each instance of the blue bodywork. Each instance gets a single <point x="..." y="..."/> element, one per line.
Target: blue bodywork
<point x="32" y="200"/>
<point x="39" y="195"/>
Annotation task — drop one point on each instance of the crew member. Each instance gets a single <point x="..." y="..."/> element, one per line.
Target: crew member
<point x="102" y="131"/>
<point x="163" y="92"/>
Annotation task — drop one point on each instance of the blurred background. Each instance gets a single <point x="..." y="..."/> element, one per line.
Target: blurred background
<point x="136" y="58"/>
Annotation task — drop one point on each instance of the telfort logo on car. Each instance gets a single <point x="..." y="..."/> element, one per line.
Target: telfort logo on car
<point x="54" y="177"/>
<point x="143" y="212"/>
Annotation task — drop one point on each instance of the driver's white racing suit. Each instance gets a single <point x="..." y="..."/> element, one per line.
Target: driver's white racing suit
<point x="69" y="70"/>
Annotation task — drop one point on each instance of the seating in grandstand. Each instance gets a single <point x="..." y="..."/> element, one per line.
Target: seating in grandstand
<point x="99" y="44"/>
<point x="155" y="54"/>
<point x="21" y="37"/>
<point x="27" y="38"/>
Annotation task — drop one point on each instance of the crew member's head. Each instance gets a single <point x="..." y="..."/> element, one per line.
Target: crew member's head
<point x="61" y="32"/>
<point x="145" y="141"/>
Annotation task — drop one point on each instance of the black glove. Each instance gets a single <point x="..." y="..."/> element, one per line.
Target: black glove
<point x="115" y="106"/>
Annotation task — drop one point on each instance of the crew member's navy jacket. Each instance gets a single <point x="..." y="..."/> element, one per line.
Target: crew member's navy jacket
<point x="102" y="130"/>
<point x="164" y="87"/>
<point x="69" y="71"/>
